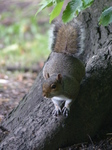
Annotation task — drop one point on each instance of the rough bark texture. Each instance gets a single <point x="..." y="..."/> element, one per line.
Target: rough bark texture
<point x="31" y="125"/>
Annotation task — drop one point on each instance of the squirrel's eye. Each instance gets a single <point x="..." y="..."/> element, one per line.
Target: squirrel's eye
<point x="53" y="86"/>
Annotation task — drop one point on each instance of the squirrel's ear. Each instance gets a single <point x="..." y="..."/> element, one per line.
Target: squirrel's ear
<point x="59" y="78"/>
<point x="47" y="76"/>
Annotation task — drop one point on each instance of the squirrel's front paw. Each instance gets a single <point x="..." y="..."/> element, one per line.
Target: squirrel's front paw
<point x="57" y="112"/>
<point x="65" y="111"/>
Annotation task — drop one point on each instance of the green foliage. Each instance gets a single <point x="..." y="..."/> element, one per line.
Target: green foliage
<point x="87" y="3"/>
<point x="56" y="11"/>
<point x="44" y="4"/>
<point x="106" y="17"/>
<point x="73" y="8"/>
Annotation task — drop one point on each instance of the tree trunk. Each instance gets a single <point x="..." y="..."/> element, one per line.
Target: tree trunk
<point x="32" y="126"/>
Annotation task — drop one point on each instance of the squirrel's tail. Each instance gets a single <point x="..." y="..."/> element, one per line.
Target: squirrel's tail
<point x="68" y="38"/>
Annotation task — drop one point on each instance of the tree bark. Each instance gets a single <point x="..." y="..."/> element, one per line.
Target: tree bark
<point x="32" y="126"/>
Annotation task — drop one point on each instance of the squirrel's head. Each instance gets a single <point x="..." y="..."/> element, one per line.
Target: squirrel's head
<point x="52" y="85"/>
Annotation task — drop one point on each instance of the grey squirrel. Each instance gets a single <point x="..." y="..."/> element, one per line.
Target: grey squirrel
<point x="63" y="71"/>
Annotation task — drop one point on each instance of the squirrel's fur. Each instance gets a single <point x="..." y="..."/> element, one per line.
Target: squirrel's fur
<point x="70" y="35"/>
<point x="63" y="72"/>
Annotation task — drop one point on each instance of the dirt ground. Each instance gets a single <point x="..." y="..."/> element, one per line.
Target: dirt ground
<point x="12" y="89"/>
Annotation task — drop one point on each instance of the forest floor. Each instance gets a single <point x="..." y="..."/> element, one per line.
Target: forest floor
<point x="13" y="86"/>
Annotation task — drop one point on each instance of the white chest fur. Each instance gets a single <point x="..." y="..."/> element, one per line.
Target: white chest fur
<point x="60" y="98"/>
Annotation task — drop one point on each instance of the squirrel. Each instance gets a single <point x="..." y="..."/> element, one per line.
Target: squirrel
<point x="63" y="70"/>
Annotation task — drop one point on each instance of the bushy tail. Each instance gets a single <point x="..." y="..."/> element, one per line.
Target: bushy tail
<point x="68" y="38"/>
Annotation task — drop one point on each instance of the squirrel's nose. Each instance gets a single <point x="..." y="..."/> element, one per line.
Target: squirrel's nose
<point x="45" y="95"/>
